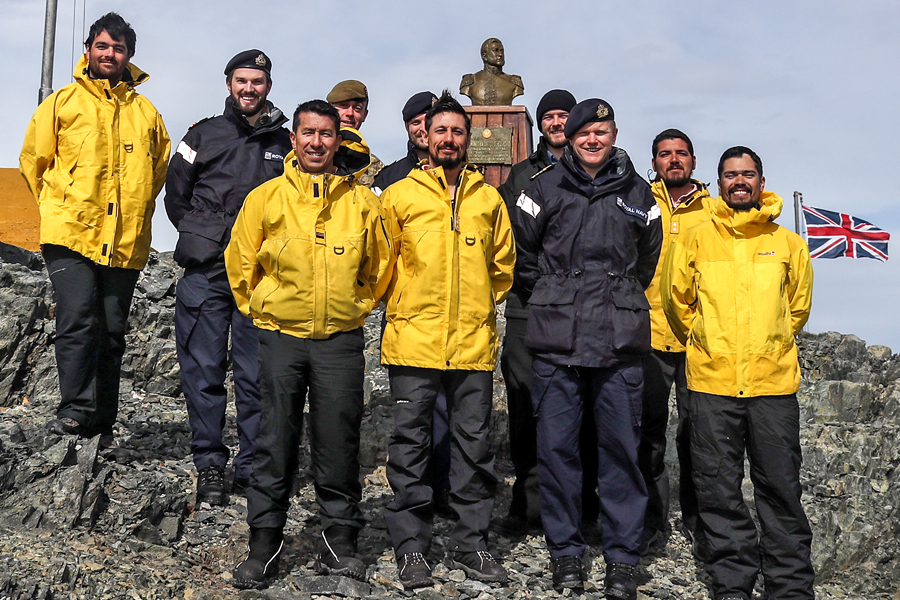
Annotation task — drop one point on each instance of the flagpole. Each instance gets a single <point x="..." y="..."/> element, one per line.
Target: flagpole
<point x="798" y="201"/>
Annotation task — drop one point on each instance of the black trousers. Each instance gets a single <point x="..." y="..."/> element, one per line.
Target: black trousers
<point x="205" y="313"/>
<point x="92" y="304"/>
<point x="331" y="370"/>
<point x="515" y="364"/>
<point x="561" y="395"/>
<point x="767" y="428"/>
<point x="661" y="370"/>
<point x="473" y="482"/>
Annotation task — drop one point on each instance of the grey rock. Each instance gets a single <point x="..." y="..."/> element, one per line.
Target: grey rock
<point x="334" y="585"/>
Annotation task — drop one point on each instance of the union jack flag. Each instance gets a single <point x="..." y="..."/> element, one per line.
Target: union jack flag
<point x="831" y="235"/>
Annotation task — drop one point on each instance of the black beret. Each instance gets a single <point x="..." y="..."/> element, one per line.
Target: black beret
<point x="418" y="104"/>
<point x="250" y="59"/>
<point x="555" y="100"/>
<point x="588" y="111"/>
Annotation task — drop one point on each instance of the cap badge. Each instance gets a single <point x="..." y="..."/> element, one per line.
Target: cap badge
<point x="261" y="60"/>
<point x="602" y="111"/>
<point x="434" y="101"/>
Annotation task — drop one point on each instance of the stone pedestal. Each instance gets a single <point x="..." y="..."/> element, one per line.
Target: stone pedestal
<point x="501" y="137"/>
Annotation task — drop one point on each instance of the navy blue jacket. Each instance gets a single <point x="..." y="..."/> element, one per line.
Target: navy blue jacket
<point x="219" y="161"/>
<point x="586" y="250"/>
<point x="396" y="171"/>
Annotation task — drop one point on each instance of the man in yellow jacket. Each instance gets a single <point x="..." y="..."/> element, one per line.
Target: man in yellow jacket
<point x="683" y="203"/>
<point x="736" y="290"/>
<point x="455" y="255"/>
<point x="95" y="156"/>
<point x="309" y="258"/>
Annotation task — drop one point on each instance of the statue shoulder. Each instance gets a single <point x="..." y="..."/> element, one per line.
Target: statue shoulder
<point x="516" y="80"/>
<point x="467" y="80"/>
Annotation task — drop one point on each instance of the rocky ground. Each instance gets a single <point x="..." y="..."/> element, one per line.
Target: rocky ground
<point x="76" y="524"/>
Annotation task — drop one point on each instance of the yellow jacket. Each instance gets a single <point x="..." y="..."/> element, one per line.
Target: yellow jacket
<point x="736" y="290"/>
<point x="95" y="158"/>
<point x="309" y="254"/>
<point x="455" y="262"/>
<point x="693" y="210"/>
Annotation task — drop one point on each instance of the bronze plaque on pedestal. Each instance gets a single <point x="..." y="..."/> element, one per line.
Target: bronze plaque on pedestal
<point x="509" y="141"/>
<point x="491" y="146"/>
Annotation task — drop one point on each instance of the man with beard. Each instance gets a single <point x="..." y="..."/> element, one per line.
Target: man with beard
<point x="439" y="466"/>
<point x="351" y="99"/>
<point x="219" y="161"/>
<point x="683" y="202"/>
<point x="588" y="237"/>
<point x="515" y="360"/>
<point x="441" y="333"/>
<point x="95" y="157"/>
<point x="736" y="290"/>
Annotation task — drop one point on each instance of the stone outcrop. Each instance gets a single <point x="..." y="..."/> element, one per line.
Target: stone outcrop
<point x="78" y="524"/>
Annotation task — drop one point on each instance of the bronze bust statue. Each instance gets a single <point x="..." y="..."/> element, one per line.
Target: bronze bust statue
<point x="491" y="86"/>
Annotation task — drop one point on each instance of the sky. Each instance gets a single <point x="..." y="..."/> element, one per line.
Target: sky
<point x="812" y="87"/>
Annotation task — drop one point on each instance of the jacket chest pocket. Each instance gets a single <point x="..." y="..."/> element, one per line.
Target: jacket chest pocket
<point x="551" y="319"/>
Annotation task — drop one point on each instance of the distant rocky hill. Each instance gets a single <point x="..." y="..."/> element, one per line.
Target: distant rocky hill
<point x="79" y="525"/>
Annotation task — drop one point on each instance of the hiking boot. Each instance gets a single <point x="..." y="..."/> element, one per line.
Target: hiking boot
<point x="65" y="426"/>
<point x="568" y="572"/>
<point x="336" y="556"/>
<point x="478" y="565"/>
<point x="698" y="543"/>
<point x="620" y="584"/>
<point x="413" y="571"/>
<point x="650" y="538"/>
<point x="261" y="563"/>
<point x="211" y="486"/>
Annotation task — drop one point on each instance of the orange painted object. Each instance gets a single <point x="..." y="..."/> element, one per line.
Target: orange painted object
<point x="20" y="219"/>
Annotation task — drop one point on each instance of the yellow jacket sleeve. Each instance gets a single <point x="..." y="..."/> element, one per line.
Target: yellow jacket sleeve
<point x="163" y="146"/>
<point x="800" y="287"/>
<point x="247" y="236"/>
<point x="39" y="148"/>
<point x="504" y="258"/>
<point x="380" y="253"/>
<point x="679" y="296"/>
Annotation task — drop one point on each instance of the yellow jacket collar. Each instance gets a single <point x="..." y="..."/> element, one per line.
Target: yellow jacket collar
<point x="435" y="179"/>
<point x="660" y="190"/>
<point x="133" y="77"/>
<point x="312" y="185"/>
<point x="770" y="205"/>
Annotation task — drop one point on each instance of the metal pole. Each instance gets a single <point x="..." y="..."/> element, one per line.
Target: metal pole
<point x="798" y="202"/>
<point x="49" y="44"/>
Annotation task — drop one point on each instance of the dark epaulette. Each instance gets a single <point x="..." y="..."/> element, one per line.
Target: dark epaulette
<point x="202" y="121"/>
<point x="547" y="168"/>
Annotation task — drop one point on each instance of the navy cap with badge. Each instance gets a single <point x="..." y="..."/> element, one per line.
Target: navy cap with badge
<point x="250" y="59"/>
<point x="588" y="111"/>
<point x="418" y="104"/>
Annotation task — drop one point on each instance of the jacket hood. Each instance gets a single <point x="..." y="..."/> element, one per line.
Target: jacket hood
<point x="354" y="156"/>
<point x="131" y="77"/>
<point x="276" y="117"/>
<point x="770" y="205"/>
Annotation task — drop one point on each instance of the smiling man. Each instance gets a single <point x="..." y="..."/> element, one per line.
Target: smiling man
<point x="736" y="290"/>
<point x="95" y="157"/>
<point x="219" y="161"/>
<point x="351" y="99"/>
<point x="588" y="237"/>
<point x="683" y="202"/>
<point x="308" y="260"/>
<point x="455" y="256"/>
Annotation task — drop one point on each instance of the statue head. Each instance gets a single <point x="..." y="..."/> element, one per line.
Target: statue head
<point x="492" y="53"/>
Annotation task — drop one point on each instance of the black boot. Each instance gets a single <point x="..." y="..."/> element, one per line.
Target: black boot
<point x="620" y="583"/>
<point x="261" y="563"/>
<point x="337" y="555"/>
